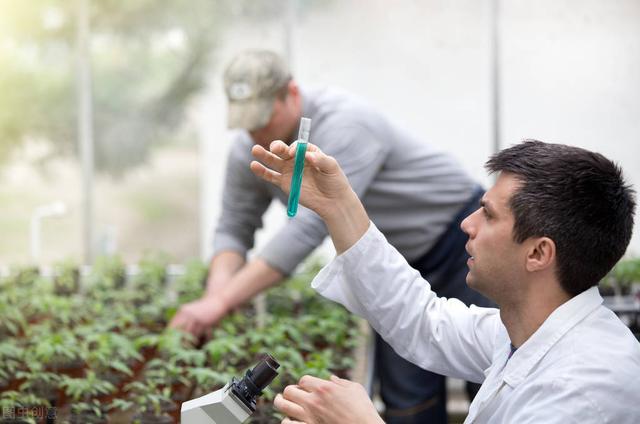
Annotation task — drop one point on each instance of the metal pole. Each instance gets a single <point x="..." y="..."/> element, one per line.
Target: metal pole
<point x="85" y="126"/>
<point x="260" y="301"/>
<point x="495" y="74"/>
<point x="35" y="239"/>
<point x="290" y="18"/>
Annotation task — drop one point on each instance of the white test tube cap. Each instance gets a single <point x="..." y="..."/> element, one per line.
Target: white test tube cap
<point x="305" y="128"/>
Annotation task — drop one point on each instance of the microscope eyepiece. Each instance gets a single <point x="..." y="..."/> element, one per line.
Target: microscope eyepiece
<point x="255" y="380"/>
<point x="264" y="373"/>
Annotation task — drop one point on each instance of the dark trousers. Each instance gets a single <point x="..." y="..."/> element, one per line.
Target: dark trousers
<point x="411" y="394"/>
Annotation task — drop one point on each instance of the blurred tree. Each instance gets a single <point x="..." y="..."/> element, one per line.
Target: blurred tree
<point x="148" y="59"/>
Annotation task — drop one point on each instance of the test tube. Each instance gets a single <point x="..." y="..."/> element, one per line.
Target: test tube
<point x="298" y="168"/>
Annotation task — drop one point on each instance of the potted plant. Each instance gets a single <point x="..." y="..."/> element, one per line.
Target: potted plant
<point x="13" y="321"/>
<point x="626" y="273"/>
<point x="23" y="276"/>
<point x="65" y="312"/>
<point x="190" y="285"/>
<point x="108" y="273"/>
<point x="225" y="350"/>
<point x="152" y="273"/>
<point x="167" y="343"/>
<point x="59" y="351"/>
<point x="10" y="363"/>
<point x="39" y="382"/>
<point x="23" y="408"/>
<point x="152" y="313"/>
<point x="111" y="356"/>
<point x="88" y="389"/>
<point x="149" y="403"/>
<point x="166" y="373"/>
<point x="111" y="334"/>
<point x="89" y="412"/>
<point x="66" y="278"/>
<point x="205" y="380"/>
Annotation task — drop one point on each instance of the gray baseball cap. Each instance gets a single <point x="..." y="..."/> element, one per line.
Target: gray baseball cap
<point x="251" y="82"/>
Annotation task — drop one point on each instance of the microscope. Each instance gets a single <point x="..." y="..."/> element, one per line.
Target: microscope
<point x="236" y="401"/>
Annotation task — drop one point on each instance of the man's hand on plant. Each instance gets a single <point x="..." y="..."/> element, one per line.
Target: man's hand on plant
<point x="317" y="401"/>
<point x="198" y="316"/>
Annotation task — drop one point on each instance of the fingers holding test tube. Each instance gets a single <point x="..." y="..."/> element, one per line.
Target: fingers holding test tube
<point x="323" y="180"/>
<point x="274" y="159"/>
<point x="325" y="189"/>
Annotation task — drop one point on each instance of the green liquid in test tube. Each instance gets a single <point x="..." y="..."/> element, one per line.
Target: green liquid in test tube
<point x="298" y="168"/>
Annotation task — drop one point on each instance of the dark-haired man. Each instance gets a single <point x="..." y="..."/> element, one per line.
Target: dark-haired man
<point x="416" y="195"/>
<point x="555" y="222"/>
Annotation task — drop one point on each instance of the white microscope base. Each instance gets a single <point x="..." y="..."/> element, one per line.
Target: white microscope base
<point x="219" y="407"/>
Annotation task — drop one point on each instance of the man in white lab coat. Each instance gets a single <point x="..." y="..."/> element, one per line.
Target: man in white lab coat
<point x="555" y="222"/>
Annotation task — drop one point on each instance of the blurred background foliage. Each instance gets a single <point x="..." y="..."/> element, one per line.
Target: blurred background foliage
<point x="149" y="59"/>
<point x="158" y="109"/>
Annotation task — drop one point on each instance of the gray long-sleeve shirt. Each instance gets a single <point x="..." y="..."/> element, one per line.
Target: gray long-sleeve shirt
<point x="410" y="190"/>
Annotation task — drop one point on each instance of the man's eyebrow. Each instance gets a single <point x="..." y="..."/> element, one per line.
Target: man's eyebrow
<point x="487" y="205"/>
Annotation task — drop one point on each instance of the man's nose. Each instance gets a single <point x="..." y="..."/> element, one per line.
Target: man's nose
<point x="467" y="225"/>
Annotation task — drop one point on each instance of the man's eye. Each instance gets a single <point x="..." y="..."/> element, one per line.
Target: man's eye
<point x="486" y="213"/>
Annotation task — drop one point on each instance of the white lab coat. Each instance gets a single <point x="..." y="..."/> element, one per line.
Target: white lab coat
<point x="581" y="366"/>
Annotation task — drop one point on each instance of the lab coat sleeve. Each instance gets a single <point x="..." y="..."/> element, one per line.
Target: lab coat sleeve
<point x="373" y="280"/>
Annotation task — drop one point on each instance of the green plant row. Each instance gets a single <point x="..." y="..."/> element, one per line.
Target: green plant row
<point x="99" y="350"/>
<point x="622" y="279"/>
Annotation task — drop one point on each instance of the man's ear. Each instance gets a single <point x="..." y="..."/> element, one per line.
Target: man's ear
<point x="292" y="88"/>
<point x="541" y="254"/>
<point x="294" y="96"/>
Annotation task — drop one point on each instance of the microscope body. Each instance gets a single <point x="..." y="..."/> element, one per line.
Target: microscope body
<point x="219" y="407"/>
<point x="235" y="402"/>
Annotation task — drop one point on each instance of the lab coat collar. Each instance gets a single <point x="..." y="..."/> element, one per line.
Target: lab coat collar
<point x="565" y="317"/>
